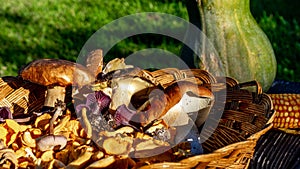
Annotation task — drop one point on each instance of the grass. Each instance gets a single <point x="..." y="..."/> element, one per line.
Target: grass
<point x="280" y="21"/>
<point x="285" y="39"/>
<point x="58" y="29"/>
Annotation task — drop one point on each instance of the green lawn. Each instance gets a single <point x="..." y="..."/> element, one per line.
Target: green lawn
<point x="58" y="29"/>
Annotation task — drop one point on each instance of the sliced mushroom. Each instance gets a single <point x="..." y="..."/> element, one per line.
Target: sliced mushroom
<point x="117" y="145"/>
<point x="27" y="139"/>
<point x="94" y="61"/>
<point x="82" y="160"/>
<point x="115" y="64"/>
<point x="56" y="74"/>
<point x="149" y="147"/>
<point x="7" y="154"/>
<point x="102" y="163"/>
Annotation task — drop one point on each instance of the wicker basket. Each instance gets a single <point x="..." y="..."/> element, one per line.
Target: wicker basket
<point x="21" y="96"/>
<point x="247" y="115"/>
<point x="170" y="75"/>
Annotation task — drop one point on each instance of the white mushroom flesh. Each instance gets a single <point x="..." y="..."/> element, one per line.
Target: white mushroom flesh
<point x="123" y="89"/>
<point x="178" y="115"/>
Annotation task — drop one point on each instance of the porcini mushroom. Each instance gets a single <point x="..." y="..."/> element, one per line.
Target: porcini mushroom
<point x="162" y="102"/>
<point x="56" y="74"/>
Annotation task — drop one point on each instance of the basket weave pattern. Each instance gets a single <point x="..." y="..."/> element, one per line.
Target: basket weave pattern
<point x="231" y="145"/>
<point x="247" y="116"/>
<point x="21" y="96"/>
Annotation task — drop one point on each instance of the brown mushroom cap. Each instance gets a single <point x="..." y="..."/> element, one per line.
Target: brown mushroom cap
<point x="56" y="72"/>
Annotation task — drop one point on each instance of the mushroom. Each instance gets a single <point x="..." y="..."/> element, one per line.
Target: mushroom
<point x="94" y="62"/>
<point x="189" y="104"/>
<point x="50" y="141"/>
<point x="60" y="107"/>
<point x="7" y="154"/>
<point x="56" y="74"/>
<point x="116" y="64"/>
<point x="123" y="90"/>
<point x="161" y="102"/>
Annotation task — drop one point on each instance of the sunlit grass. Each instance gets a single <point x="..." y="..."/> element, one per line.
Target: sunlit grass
<point x="59" y="29"/>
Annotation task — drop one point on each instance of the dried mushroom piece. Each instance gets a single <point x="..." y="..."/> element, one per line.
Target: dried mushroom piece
<point x="27" y="139"/>
<point x="74" y="127"/>
<point x="13" y="130"/>
<point x="56" y="74"/>
<point x="4" y="133"/>
<point x="117" y="145"/>
<point x="116" y="64"/>
<point x="7" y="156"/>
<point x="103" y="163"/>
<point x="121" y="131"/>
<point x="97" y="155"/>
<point x="47" y="156"/>
<point x="94" y="62"/>
<point x="61" y="125"/>
<point x="81" y="161"/>
<point x="148" y="147"/>
<point x="160" y="131"/>
<point x="56" y="164"/>
<point x="64" y="154"/>
<point x="42" y="121"/>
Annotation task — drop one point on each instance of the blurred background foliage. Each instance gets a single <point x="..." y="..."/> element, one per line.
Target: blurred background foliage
<point x="58" y="29"/>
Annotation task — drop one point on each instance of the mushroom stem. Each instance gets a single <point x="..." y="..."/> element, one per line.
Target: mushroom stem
<point x="59" y="109"/>
<point x="87" y="124"/>
<point x="53" y="94"/>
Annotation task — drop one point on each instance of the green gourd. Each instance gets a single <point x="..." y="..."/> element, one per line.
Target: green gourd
<point x="244" y="50"/>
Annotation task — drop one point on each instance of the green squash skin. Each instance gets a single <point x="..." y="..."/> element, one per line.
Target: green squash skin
<point x="244" y="49"/>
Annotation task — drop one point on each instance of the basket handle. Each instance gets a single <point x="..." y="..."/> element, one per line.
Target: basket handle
<point x="253" y="83"/>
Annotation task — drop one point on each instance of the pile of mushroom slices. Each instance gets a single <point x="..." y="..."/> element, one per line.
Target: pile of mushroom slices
<point x="116" y="116"/>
